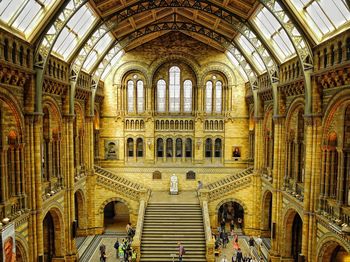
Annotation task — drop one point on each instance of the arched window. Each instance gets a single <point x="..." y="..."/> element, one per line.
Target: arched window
<point x="130" y="96"/>
<point x="179" y="147"/>
<point x="340" y="52"/>
<point x="160" y="147"/>
<point x="130" y="145"/>
<point x="187" y="96"/>
<point x="208" y="147"/>
<point x="300" y="144"/>
<point x="169" y="147"/>
<point x="174" y="89"/>
<point x="208" y="97"/>
<point x="218" y="147"/>
<point x="140" y="97"/>
<point x="161" y="85"/>
<point x="139" y="147"/>
<point x="188" y="147"/>
<point x="218" y="97"/>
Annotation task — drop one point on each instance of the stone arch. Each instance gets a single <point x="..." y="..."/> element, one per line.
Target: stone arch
<point x="221" y="68"/>
<point x="80" y="209"/>
<point x="288" y="219"/>
<point x="22" y="249"/>
<point x="327" y="244"/>
<point x="131" y="66"/>
<point x="56" y="213"/>
<point x="102" y="206"/>
<point x="293" y="108"/>
<point x="190" y="61"/>
<point x="13" y="104"/>
<point x="245" y="208"/>
<point x="334" y="104"/>
<point x="266" y="210"/>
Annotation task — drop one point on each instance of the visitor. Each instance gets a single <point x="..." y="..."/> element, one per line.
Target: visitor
<point x="224" y="259"/>
<point x="102" y="249"/>
<point x="116" y="246"/>
<point x="130" y="231"/>
<point x="259" y="243"/>
<point x="251" y="245"/>
<point x="103" y="256"/>
<point x="133" y="255"/>
<point x="222" y="225"/>
<point x="232" y="225"/>
<point x="182" y="251"/>
<point x="239" y="255"/>
<point x="199" y="186"/>
<point x="240" y="221"/>
<point x="225" y="240"/>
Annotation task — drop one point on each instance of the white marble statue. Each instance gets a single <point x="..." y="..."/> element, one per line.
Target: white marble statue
<point x="173" y="185"/>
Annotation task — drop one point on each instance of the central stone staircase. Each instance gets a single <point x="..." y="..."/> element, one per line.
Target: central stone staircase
<point x="165" y="224"/>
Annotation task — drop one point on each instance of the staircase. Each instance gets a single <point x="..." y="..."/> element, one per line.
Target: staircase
<point x="165" y="224"/>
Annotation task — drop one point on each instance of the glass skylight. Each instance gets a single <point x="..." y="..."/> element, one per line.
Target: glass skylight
<point x="97" y="51"/>
<point x="24" y="15"/>
<point x="112" y="62"/>
<point x="75" y="30"/>
<point x="250" y="52"/>
<point x="274" y="34"/>
<point x="323" y="16"/>
<point x="236" y="64"/>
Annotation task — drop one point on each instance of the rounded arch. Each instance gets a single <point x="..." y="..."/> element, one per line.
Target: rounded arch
<point x="327" y="244"/>
<point x="13" y="105"/>
<point x="336" y="101"/>
<point x="53" y="107"/>
<point x="123" y="70"/>
<point x="55" y="213"/>
<point x="102" y="206"/>
<point x="295" y="106"/>
<point x="184" y="58"/>
<point x="245" y="208"/>
<point x="220" y="68"/>
<point x="266" y="210"/>
<point x="80" y="209"/>
<point x="289" y="217"/>
<point x="22" y="249"/>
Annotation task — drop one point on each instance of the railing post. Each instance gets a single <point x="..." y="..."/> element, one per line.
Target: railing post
<point x="203" y="197"/>
<point x="136" y="242"/>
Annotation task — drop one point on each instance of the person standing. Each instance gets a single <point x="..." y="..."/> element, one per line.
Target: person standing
<point x="239" y="255"/>
<point x="251" y="245"/>
<point x="232" y="225"/>
<point x="222" y="225"/>
<point x="182" y="251"/>
<point x="116" y="246"/>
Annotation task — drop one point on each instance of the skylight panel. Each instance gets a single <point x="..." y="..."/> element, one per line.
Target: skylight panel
<point x="322" y="16"/>
<point x="98" y="50"/>
<point x="273" y="33"/>
<point x="236" y="64"/>
<point x="24" y="15"/>
<point x="250" y="51"/>
<point x="75" y="30"/>
<point x="112" y="63"/>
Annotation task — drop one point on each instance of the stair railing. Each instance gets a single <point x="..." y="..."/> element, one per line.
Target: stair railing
<point x="208" y="235"/>
<point x="114" y="182"/>
<point x="136" y="242"/>
<point x="221" y="187"/>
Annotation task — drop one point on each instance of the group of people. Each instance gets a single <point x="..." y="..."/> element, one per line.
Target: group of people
<point x="123" y="249"/>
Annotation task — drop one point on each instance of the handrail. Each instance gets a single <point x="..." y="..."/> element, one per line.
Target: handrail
<point x="221" y="187"/>
<point x="117" y="183"/>
<point x="208" y="235"/>
<point x="227" y="180"/>
<point x="136" y="242"/>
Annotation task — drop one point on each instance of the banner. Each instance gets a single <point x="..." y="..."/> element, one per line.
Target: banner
<point x="8" y="241"/>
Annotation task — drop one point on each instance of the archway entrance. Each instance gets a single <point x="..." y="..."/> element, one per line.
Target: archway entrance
<point x="79" y="215"/>
<point x="53" y="235"/>
<point x="116" y="216"/>
<point x="231" y="211"/>
<point x="20" y="252"/>
<point x="332" y="252"/>
<point x="296" y="240"/>
<point x="267" y="213"/>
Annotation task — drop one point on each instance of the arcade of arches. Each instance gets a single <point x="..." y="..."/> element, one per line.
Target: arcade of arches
<point x="101" y="101"/>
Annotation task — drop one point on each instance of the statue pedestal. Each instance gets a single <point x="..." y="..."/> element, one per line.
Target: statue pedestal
<point x="174" y="185"/>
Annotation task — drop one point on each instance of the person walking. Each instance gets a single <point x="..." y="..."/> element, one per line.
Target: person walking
<point x="251" y="245"/>
<point x="182" y="251"/>
<point x="116" y="246"/>
<point x="239" y="255"/>
<point x="222" y="225"/>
